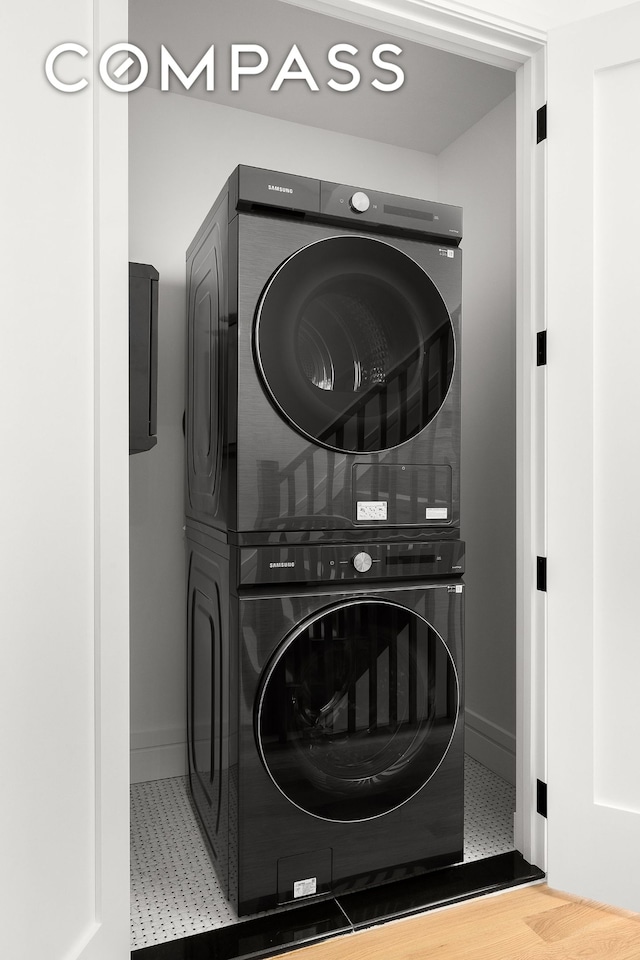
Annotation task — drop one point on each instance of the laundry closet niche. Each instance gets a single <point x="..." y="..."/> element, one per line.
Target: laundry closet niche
<point x="183" y="146"/>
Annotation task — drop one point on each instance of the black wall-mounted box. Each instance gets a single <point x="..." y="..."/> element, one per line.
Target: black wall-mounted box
<point x="143" y="356"/>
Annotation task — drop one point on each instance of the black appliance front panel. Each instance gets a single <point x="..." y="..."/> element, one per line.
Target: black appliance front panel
<point x="254" y="188"/>
<point x="287" y="482"/>
<point x="354" y="344"/>
<point x="365" y="670"/>
<point x="357" y="710"/>
<point x="348" y="562"/>
<point x="252" y="472"/>
<point x="350" y="762"/>
<point x="389" y="212"/>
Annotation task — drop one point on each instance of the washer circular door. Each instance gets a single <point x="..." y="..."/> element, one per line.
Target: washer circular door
<point x="354" y="344"/>
<point x="357" y="710"/>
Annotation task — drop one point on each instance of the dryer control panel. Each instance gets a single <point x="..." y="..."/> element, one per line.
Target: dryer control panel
<point x="386" y="209"/>
<point x="319" y="563"/>
<point x="257" y="190"/>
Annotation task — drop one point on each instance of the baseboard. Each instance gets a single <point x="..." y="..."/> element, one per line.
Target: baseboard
<point x="491" y="745"/>
<point x="157" y="754"/>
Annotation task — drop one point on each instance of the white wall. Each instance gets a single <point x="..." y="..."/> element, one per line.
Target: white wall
<point x="181" y="152"/>
<point x="478" y="172"/>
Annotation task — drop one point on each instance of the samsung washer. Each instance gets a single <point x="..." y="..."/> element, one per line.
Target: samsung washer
<point x="325" y="714"/>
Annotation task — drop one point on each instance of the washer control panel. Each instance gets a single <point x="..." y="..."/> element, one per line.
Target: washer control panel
<point x="325" y="562"/>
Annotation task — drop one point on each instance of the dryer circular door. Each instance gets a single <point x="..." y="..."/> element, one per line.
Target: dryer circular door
<point x="354" y="344"/>
<point x="357" y="710"/>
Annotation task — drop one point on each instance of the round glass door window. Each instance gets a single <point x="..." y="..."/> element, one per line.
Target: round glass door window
<point x="355" y="344"/>
<point x="357" y="710"/>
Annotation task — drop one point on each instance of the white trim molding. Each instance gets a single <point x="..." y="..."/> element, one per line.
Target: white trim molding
<point x="491" y="745"/>
<point x="455" y="27"/>
<point x="530" y="829"/>
<point x="157" y="754"/>
<point x="111" y="500"/>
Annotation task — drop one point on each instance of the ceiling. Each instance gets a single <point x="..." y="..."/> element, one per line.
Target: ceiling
<point x="441" y="97"/>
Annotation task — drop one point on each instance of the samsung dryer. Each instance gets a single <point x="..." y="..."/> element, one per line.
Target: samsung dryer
<point x="325" y="713"/>
<point x="323" y="362"/>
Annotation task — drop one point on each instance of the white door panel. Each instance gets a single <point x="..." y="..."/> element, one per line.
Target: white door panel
<point x="64" y="507"/>
<point x="594" y="457"/>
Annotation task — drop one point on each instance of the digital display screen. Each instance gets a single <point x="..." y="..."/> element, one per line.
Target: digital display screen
<point x="412" y="558"/>
<point x="408" y="212"/>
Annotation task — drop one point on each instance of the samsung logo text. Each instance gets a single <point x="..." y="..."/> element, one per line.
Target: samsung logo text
<point x="282" y="563"/>
<point x="244" y="60"/>
<point x="280" y="189"/>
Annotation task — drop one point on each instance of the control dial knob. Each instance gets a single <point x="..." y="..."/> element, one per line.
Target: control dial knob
<point x="362" y="562"/>
<point x="359" y="202"/>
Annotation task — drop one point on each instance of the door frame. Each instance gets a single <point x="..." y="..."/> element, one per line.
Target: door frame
<point x="518" y="47"/>
<point x="485" y="37"/>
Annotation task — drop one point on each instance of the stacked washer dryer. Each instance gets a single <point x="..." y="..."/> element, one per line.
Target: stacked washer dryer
<point x="325" y="605"/>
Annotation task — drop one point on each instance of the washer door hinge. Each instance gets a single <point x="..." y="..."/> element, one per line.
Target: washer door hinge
<point x="541" y="348"/>
<point x="541" y="123"/>
<point x="541" y="574"/>
<point x="541" y="798"/>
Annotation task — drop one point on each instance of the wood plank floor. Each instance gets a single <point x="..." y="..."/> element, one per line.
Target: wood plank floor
<point x="530" y="923"/>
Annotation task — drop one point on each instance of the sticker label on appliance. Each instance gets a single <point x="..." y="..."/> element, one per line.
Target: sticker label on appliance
<point x="436" y="513"/>
<point x="371" y="510"/>
<point x="304" y="888"/>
